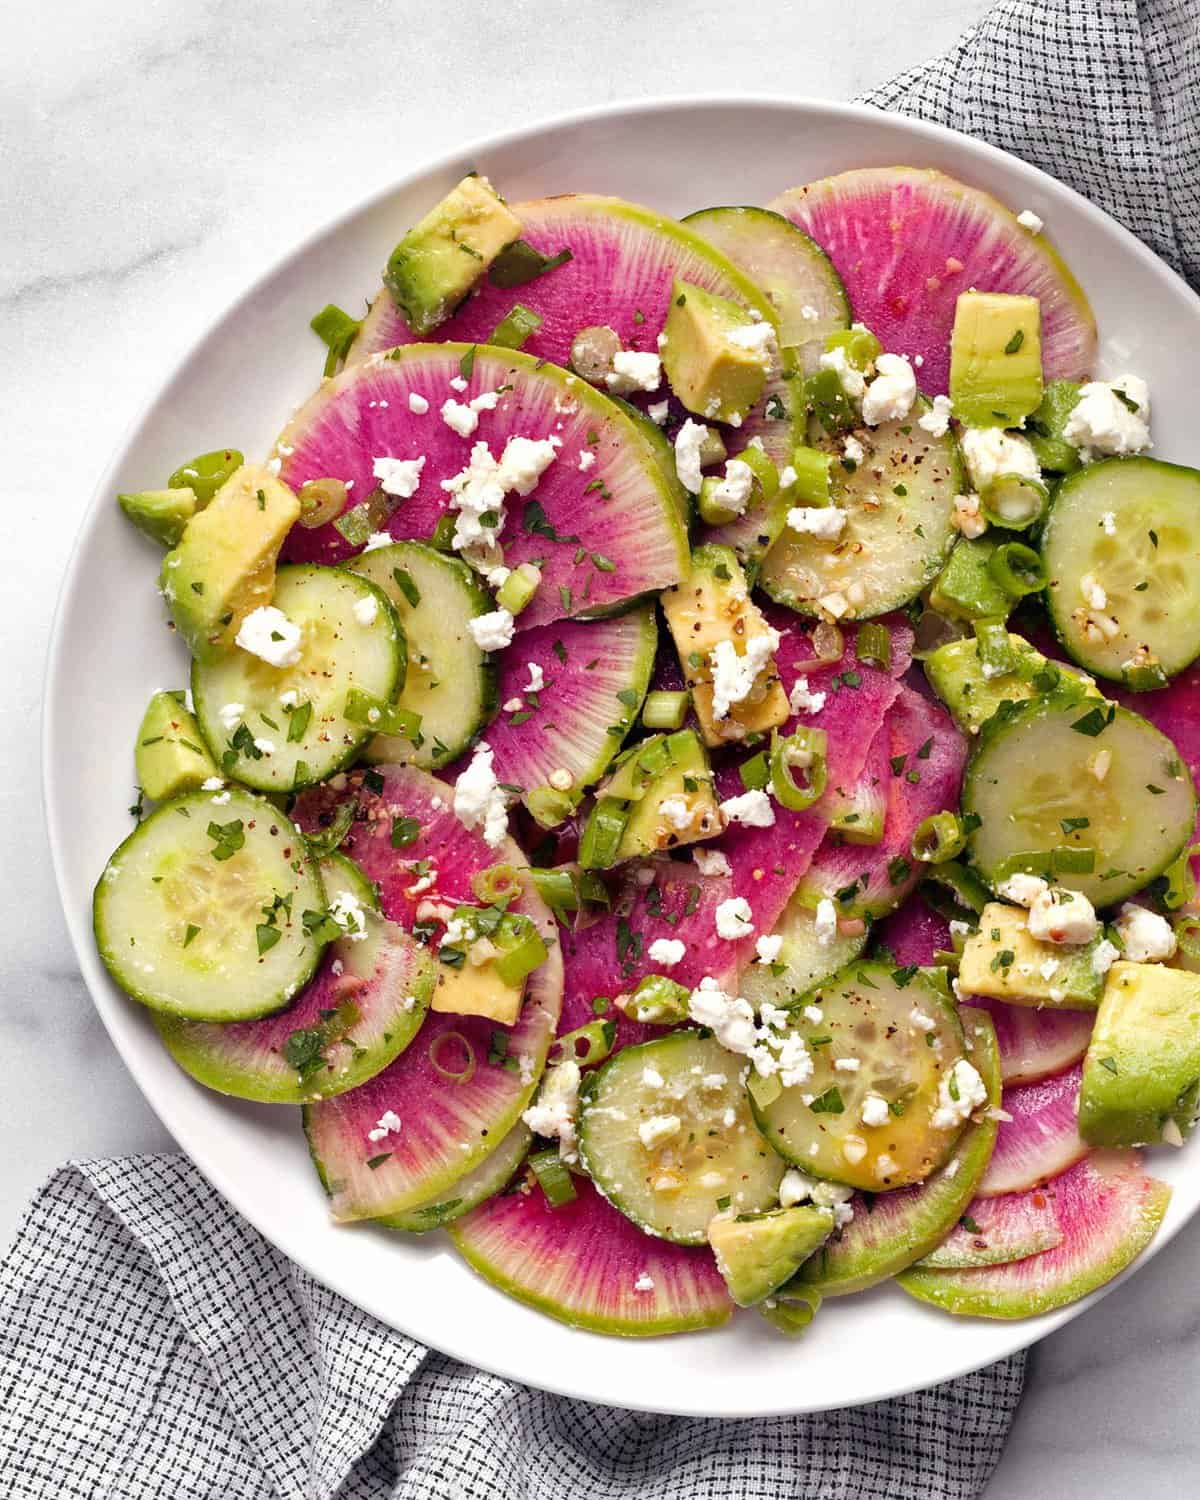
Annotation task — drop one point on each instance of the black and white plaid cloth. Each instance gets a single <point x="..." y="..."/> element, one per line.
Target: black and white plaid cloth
<point x="154" y="1347"/>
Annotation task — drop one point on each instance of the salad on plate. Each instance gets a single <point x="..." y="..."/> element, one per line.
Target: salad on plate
<point x="686" y="775"/>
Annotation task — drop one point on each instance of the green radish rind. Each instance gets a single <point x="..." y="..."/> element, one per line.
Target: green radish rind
<point x="1108" y="1211"/>
<point x="803" y="962"/>
<point x="224" y="978"/>
<point x="995" y="1231"/>
<point x="449" y="681"/>
<point x="338" y="653"/>
<point x="905" y="1225"/>
<point x="1147" y="566"/>
<point x="247" y="1061"/>
<point x="1034" y="752"/>
<point x="789" y="267"/>
<point x="490" y="1177"/>
<point x="893" y="544"/>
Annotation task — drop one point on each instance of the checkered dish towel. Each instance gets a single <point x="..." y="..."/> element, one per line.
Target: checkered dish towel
<point x="153" y="1345"/>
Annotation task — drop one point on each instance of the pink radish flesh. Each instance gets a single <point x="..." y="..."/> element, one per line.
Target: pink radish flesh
<point x="1041" y="1140"/>
<point x="996" y="1230"/>
<point x="915" y="933"/>
<point x="1034" y="1043"/>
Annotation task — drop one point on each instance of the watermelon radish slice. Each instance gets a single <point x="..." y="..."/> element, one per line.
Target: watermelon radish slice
<point x="595" y="676"/>
<point x="623" y="261"/>
<point x="448" y="1125"/>
<point x="926" y="763"/>
<point x="894" y="1229"/>
<point x="1041" y="1140"/>
<point x="602" y="534"/>
<point x="360" y="1011"/>
<point x="914" y="934"/>
<point x="906" y="241"/>
<point x="1107" y="1210"/>
<point x="1036" y="1044"/>
<point x="994" y="1231"/>
<point x="587" y="1265"/>
<point x="490" y="1177"/>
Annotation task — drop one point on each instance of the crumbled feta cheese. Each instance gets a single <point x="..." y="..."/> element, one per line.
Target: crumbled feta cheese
<point x="801" y="701"/>
<point x="644" y="1283"/>
<point x="847" y="1065"/>
<point x="652" y="1078"/>
<point x="851" y="380"/>
<point x="875" y="1111"/>
<point x="537" y="678"/>
<point x="968" y="516"/>
<point x="1027" y="219"/>
<point x="854" y="1148"/>
<point x="1104" y="955"/>
<point x="366" y="609"/>
<point x="459" y="418"/>
<point x="378" y="539"/>
<point x="230" y="715"/>
<point x="853" y="450"/>
<point x="960" y="1092"/>
<point x="813" y="1013"/>
<point x="478" y="799"/>
<point x="825" y="522"/>
<point x="389" y="1123"/>
<point x="734" y="919"/>
<point x="751" y="808"/>
<point x="658" y="1128"/>
<point x="885" y="1167"/>
<point x="523" y="463"/>
<point x="1093" y="592"/>
<point x="768" y="947"/>
<point x="1048" y="969"/>
<point x="730" y="1019"/>
<point x="399" y="476"/>
<point x="1099" y="764"/>
<point x="555" y="1111"/>
<point x="266" y="632"/>
<point x="417" y="404"/>
<point x="1021" y="888"/>
<point x="1147" y="937"/>
<point x="795" y="1187"/>
<point x="1108" y="522"/>
<point x="834" y="605"/>
<point x="1061" y="916"/>
<point x="689" y="440"/>
<point x="493" y="631"/>
<point x="936" y="421"/>
<point x="890" y="395"/>
<point x="347" y="911"/>
<point x="989" y="452"/>
<point x="676" y="813"/>
<point x="734" y="676"/>
<point x="211" y="784"/>
<point x="760" y="340"/>
<point x="667" y="952"/>
<point x="734" y="491"/>
<point x="825" y="922"/>
<point x="459" y="384"/>
<point x="658" y="412"/>
<point x="1102" y="423"/>
<point x="586" y="459"/>
<point x="220" y="799"/>
<point x="922" y="1022"/>
<point x="711" y="862"/>
<point x="632" y="371"/>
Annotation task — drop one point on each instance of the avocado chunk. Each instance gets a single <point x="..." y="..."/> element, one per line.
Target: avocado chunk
<point x="160" y="514"/>
<point x="714" y="354"/>
<point x="996" y="358"/>
<point x="713" y="605"/>
<point x="956" y="675"/>
<point x="660" y="796"/>
<point x="965" y="588"/>
<point x="440" y="259"/>
<point x="170" y="755"/>
<point x="486" y="956"/>
<point x="1141" y="1075"/>
<point x="1003" y="962"/>
<point x="756" y="1253"/>
<point x="224" y="563"/>
<point x="1044" y="428"/>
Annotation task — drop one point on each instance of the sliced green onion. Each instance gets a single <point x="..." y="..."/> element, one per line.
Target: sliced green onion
<point x="712" y="449"/>
<point x="205" y="475"/>
<point x="586" y="1045"/>
<point x="1178" y="884"/>
<point x="384" y="718"/>
<point x="497" y="885"/>
<point x="1017" y="569"/>
<point x="1144" y="678"/>
<point x="861" y="346"/>
<point x="321" y="501"/>
<point x="955" y="891"/>
<point x="759" y="462"/>
<point x="602" y="836"/>
<point x="442" y="539"/>
<point x="522" y="948"/>
<point x="327" y="839"/>
<point x="995" y="649"/>
<point x="549" y="806"/>
<point x="1066" y="859"/>
<point x="791" y="1309"/>
<point x="939" y="839"/>
<point x="658" y="1001"/>
<point x="439" y="1045"/>
<point x="337" y="330"/>
<point x="519" y="588"/>
<point x="1187" y="935"/>
<point x="829" y="404"/>
<point x="521" y="263"/>
<point x="558" y="888"/>
<point x="592" y="889"/>
<point x="519" y="324"/>
<point x="874" y="643"/>
<point x="1014" y="502"/>
<point x="756" y="772"/>
<point x="805" y="751"/>
<point x="552" y="1177"/>
<point x="715" y="511"/>
<point x="663" y="710"/>
<point x="1025" y="862"/>
<point x="362" y="520"/>
<point x="812" y="468"/>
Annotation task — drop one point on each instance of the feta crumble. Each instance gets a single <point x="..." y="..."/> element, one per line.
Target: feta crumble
<point x="1022" y="889"/>
<point x="1102" y="423"/>
<point x="689" y="440"/>
<point x="632" y="371"/>
<point x="768" y="948"/>
<point x="989" y="452"/>
<point x="459" y="417"/>
<point x="1147" y="937"/>
<point x="230" y="715"/>
<point x="890" y="395"/>
<point x="802" y="701"/>
<point x="378" y="539"/>
<point x="267" y="633"/>
<point x="825" y="922"/>
<point x="388" y="1123"/>
<point x="851" y="380"/>
<point x="493" y="631"/>
<point x="734" y="919"/>
<point x="960" y="1092"/>
<point x="658" y="1128"/>
<point x="853" y="450"/>
<point x="556" y="1108"/>
<point x="399" y="476"/>
<point x="753" y="809"/>
<point x="734" y="491"/>
<point x="712" y="861"/>
<point x="658" y="412"/>
<point x="968" y="517"/>
<point x="1027" y="219"/>
<point x="347" y="911"/>
<point x="875" y="1111"/>
<point x="1062" y="916"/>
<point x="734" y="675"/>
<point x="478" y="799"/>
<point x="825" y="522"/>
<point x="667" y="952"/>
<point x="936" y="421"/>
<point x="644" y="1283"/>
<point x="366" y="609"/>
<point x="417" y="404"/>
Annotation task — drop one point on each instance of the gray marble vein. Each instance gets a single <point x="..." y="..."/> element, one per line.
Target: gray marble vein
<point x="153" y="159"/>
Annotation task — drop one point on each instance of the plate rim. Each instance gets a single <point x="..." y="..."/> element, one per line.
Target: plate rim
<point x="1023" y="1334"/>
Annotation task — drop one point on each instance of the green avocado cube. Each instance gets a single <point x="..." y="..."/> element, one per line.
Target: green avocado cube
<point x="660" y="796"/>
<point x="757" y="1253"/>
<point x="1003" y="961"/>
<point x="956" y="675"/>
<point x="160" y="514"/>
<point x="996" y="358"/>
<point x="715" y="355"/>
<point x="170" y="755"/>
<point x="965" y="588"/>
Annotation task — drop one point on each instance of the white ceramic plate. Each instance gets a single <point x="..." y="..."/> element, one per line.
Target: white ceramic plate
<point x="110" y="650"/>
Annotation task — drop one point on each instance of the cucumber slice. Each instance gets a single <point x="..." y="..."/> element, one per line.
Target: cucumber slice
<point x="804" y="961"/>
<point x="673" y="1186"/>
<point x="292" y="730"/>
<point x="905" y="1035"/>
<point x="449" y="681"/>
<point x="1036" y="768"/>
<point x="181" y="908"/>
<point x="361" y="1010"/>
<point x="898" y="501"/>
<point x="490" y="1177"/>
<point x="898" y="1228"/>
<point x="1146" y="566"/>
<point x="795" y="273"/>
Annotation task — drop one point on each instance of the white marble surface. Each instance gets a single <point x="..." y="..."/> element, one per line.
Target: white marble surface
<point x="153" y="160"/>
